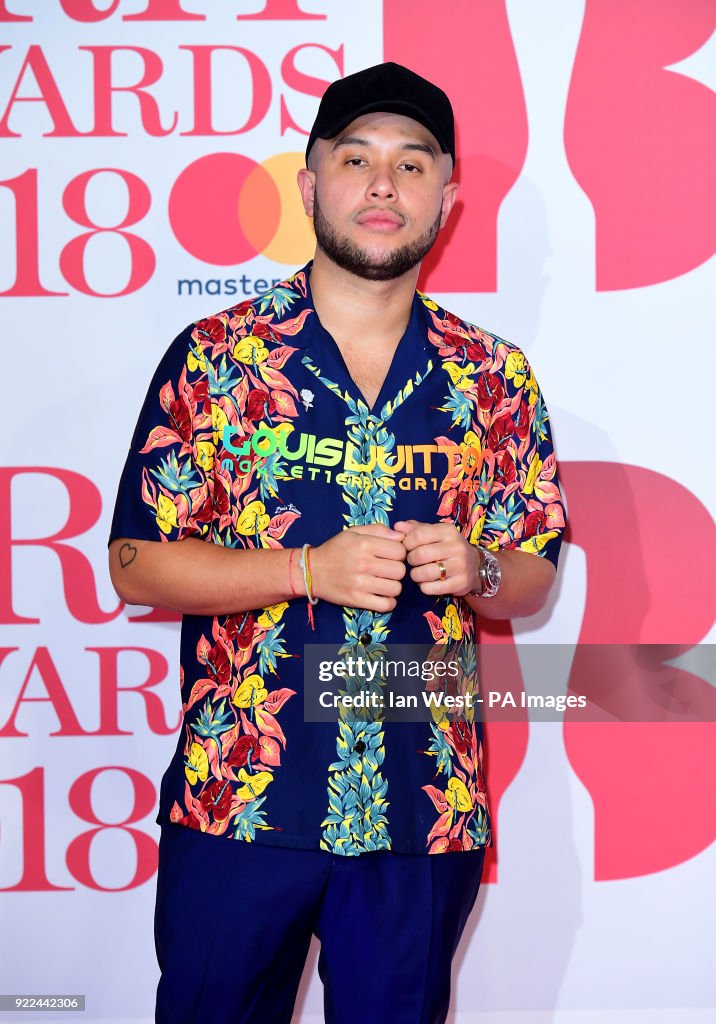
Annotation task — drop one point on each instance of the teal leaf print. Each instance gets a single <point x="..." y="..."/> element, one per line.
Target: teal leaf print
<point x="502" y="516"/>
<point x="250" y="818"/>
<point x="272" y="647"/>
<point x="278" y="299"/>
<point x="212" y="721"/>
<point x="459" y="406"/>
<point x="174" y="476"/>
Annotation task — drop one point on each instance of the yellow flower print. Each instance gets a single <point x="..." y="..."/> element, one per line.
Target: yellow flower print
<point x="515" y="368"/>
<point x="196" y="358"/>
<point x="457" y="795"/>
<point x="251" y="692"/>
<point x="280" y="430"/>
<point x="205" y="455"/>
<point x="472" y="460"/>
<point x="428" y="302"/>
<point x="451" y="623"/>
<point x="477" y="529"/>
<point x="461" y="376"/>
<point x="272" y="614"/>
<point x="440" y="717"/>
<point x="254" y="785"/>
<point x="250" y="350"/>
<point x="535" y="544"/>
<point x="531" y="388"/>
<point x="218" y="422"/>
<point x="166" y="517"/>
<point x="253" y="519"/>
<point x="198" y="765"/>
<point x="533" y="474"/>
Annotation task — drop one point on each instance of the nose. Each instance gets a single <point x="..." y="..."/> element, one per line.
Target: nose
<point x="381" y="185"/>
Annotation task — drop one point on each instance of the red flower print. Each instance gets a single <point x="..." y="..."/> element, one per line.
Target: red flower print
<point x="221" y="499"/>
<point x="218" y="663"/>
<point x="501" y="431"/>
<point x="461" y="734"/>
<point x="522" y="420"/>
<point x="244" y="746"/>
<point x="490" y="390"/>
<point x="190" y="822"/>
<point x="261" y="330"/>
<point x="181" y="417"/>
<point x="505" y="468"/>
<point x="213" y="327"/>
<point x="533" y="523"/>
<point x="461" y="507"/>
<point x="201" y="395"/>
<point x="245" y="634"/>
<point x="453" y="339"/>
<point x="216" y="799"/>
<point x="259" y="404"/>
<point x="240" y="628"/>
<point x="476" y="352"/>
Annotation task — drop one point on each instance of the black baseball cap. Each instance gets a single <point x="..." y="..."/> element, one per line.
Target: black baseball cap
<point x="386" y="87"/>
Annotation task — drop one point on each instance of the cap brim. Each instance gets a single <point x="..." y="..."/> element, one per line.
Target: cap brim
<point x="336" y="126"/>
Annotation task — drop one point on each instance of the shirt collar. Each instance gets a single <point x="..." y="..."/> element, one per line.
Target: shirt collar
<point x="311" y="328"/>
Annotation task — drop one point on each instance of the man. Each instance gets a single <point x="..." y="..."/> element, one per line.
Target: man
<point x="343" y="447"/>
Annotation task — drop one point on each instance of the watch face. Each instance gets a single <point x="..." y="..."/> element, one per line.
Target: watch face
<point x="493" y="573"/>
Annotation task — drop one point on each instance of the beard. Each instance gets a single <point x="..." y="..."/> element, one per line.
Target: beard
<point x="348" y="255"/>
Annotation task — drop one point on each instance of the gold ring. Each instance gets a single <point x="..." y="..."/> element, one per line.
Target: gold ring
<point x="443" y="570"/>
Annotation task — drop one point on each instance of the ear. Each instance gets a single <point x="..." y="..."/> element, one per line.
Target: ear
<point x="450" y="192"/>
<point x="307" y="185"/>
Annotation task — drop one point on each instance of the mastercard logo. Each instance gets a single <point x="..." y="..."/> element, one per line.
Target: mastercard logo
<point x="225" y="209"/>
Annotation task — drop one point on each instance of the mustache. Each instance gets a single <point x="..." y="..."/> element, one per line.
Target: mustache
<point x="382" y="209"/>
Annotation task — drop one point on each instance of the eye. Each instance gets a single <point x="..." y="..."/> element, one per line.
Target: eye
<point x="355" y="161"/>
<point x="411" y="167"/>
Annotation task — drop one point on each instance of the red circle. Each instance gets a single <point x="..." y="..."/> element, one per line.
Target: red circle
<point x="204" y="207"/>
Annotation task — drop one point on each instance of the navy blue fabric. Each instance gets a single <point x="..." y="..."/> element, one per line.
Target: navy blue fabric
<point x="234" y="921"/>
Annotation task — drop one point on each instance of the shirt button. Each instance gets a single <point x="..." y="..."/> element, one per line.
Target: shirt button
<point x="359" y="747"/>
<point x="365" y="639"/>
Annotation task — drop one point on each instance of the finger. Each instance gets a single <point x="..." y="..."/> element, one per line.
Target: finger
<point x="429" y="533"/>
<point x="384" y="587"/>
<point x="436" y="588"/>
<point x="376" y="603"/>
<point x="376" y="530"/>
<point x="377" y="547"/>
<point x="428" y="579"/>
<point x="426" y="553"/>
<point x="391" y="569"/>
<point x="406" y="525"/>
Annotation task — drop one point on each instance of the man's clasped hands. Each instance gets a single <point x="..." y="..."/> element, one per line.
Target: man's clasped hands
<point x="364" y="566"/>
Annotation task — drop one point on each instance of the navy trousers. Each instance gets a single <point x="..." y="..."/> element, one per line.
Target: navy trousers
<point x="233" y="924"/>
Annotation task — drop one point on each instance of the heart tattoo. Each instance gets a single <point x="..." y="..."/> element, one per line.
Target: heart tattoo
<point x="127" y="554"/>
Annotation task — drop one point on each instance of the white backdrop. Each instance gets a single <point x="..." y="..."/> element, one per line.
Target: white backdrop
<point x="591" y="169"/>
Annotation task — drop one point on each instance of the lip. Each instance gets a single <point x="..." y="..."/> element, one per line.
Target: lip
<point x="380" y="220"/>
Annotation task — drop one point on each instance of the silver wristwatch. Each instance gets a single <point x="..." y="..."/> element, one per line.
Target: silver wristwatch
<point x="489" y="574"/>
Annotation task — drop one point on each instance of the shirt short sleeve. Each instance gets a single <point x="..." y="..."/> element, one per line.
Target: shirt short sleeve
<point x="525" y="510"/>
<point x="166" y="488"/>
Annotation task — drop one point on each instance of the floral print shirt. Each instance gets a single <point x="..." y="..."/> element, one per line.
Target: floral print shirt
<point x="253" y="435"/>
